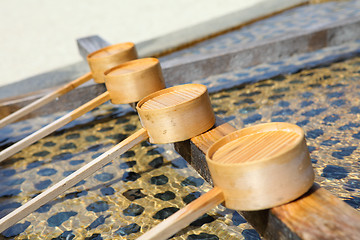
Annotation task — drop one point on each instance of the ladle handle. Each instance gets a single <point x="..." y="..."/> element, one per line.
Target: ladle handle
<point x="44" y="100"/>
<point x="53" y="126"/>
<point x="72" y="179"/>
<point x="185" y="216"/>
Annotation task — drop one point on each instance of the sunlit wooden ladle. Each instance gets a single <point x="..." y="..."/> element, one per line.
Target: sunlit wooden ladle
<point x="254" y="168"/>
<point x="126" y="83"/>
<point x="99" y="61"/>
<point x="170" y="115"/>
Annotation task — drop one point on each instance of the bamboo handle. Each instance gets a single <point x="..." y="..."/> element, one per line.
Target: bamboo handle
<point x="72" y="179"/>
<point x="53" y="126"/>
<point x="44" y="100"/>
<point x="185" y="216"/>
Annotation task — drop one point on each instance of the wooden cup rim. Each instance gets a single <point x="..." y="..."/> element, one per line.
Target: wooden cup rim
<point x="168" y="90"/>
<point x="265" y="126"/>
<point x="153" y="62"/>
<point x="126" y="46"/>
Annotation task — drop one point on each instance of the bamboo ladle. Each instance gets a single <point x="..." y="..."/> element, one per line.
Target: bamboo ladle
<point x="170" y="115"/>
<point x="99" y="61"/>
<point x="254" y="168"/>
<point x="126" y="83"/>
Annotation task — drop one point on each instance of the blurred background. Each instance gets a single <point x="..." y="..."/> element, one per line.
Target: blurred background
<point x="38" y="36"/>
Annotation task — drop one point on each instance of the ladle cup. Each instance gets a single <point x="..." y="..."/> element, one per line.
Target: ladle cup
<point x="255" y="168"/>
<point x="169" y="115"/>
<point x="99" y="61"/>
<point x="126" y="83"/>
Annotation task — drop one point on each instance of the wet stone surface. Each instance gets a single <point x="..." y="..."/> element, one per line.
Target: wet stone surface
<point x="140" y="188"/>
<point x="121" y="201"/>
<point x="299" y="19"/>
<point x="325" y="102"/>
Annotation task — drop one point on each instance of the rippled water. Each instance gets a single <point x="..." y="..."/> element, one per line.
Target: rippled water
<point x="146" y="184"/>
